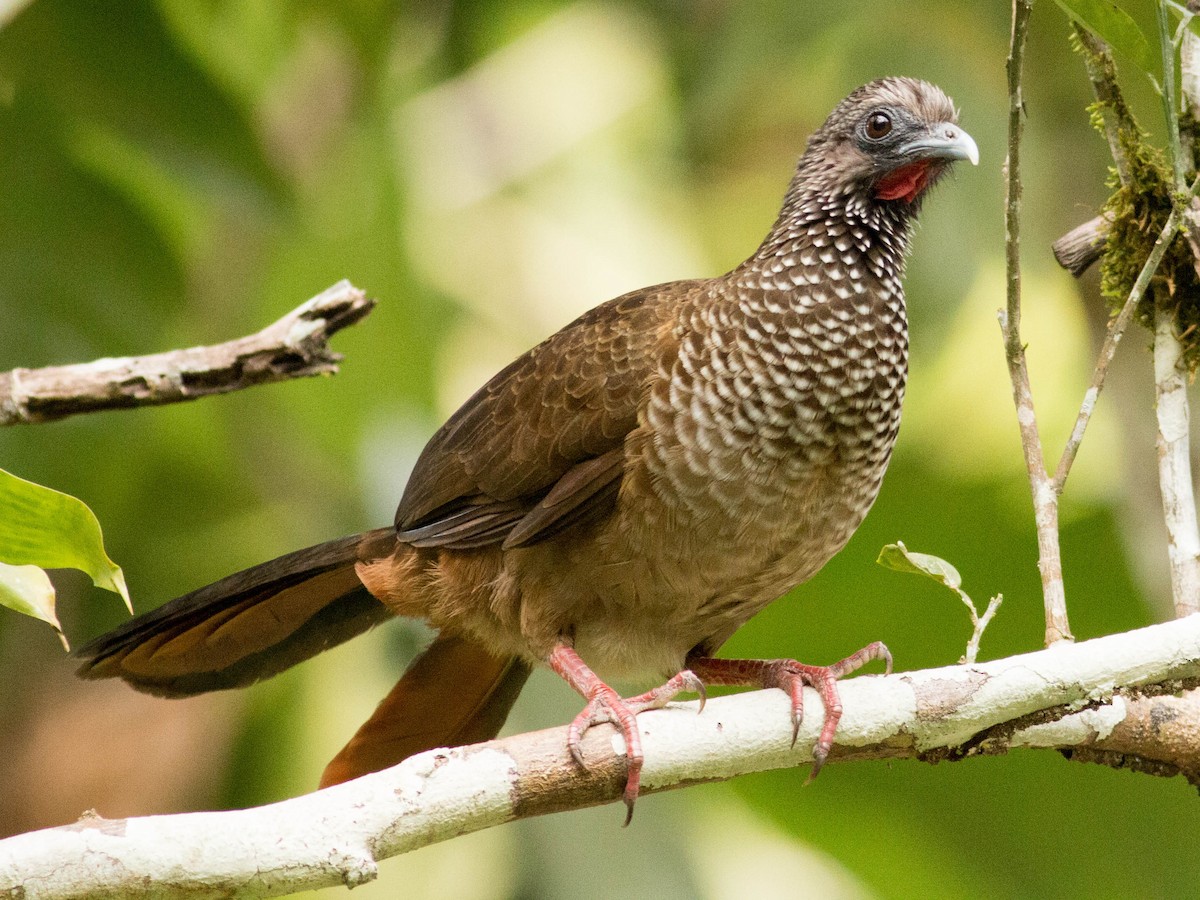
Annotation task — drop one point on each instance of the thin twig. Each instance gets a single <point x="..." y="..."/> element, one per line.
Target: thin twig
<point x="294" y="346"/>
<point x="1116" y="329"/>
<point x="1045" y="500"/>
<point x="1117" y="119"/>
<point x="1012" y="213"/>
<point x="979" y="624"/>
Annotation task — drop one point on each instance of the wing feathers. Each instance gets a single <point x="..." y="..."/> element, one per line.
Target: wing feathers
<point x="539" y="447"/>
<point x="585" y="493"/>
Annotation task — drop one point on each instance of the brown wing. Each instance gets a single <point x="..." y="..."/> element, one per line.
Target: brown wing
<point x="539" y="447"/>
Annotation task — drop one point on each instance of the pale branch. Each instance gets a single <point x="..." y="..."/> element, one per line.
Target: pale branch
<point x="1096" y="697"/>
<point x="294" y="346"/>
<point x="1175" y="465"/>
<point x="1045" y="499"/>
<point x="1189" y="74"/>
<point x="1173" y="439"/>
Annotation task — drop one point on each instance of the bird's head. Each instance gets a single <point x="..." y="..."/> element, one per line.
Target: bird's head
<point x="889" y="142"/>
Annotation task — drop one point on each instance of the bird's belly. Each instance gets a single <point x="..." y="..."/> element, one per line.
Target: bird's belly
<point x="662" y="583"/>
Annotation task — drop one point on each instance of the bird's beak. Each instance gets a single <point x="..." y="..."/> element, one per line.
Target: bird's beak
<point x="944" y="142"/>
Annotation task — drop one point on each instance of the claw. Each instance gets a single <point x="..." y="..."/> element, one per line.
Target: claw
<point x="575" y="733"/>
<point x="605" y="705"/>
<point x="791" y="677"/>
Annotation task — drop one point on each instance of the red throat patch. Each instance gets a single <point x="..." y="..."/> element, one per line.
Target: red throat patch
<point x="904" y="183"/>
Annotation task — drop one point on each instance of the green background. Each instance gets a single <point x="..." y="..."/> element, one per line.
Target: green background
<point x="175" y="172"/>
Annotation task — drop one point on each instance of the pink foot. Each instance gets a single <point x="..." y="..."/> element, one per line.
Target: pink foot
<point x="791" y="677"/>
<point x="605" y="705"/>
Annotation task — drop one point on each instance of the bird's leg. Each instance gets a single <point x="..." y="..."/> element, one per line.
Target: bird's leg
<point x="791" y="677"/>
<point x="605" y="705"/>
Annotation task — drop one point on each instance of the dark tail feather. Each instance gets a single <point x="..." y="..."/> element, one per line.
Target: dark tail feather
<point x="245" y="627"/>
<point x="455" y="693"/>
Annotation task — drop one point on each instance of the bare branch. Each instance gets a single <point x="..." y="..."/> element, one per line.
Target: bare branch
<point x="1045" y="499"/>
<point x="294" y="346"/>
<point x="1170" y="99"/>
<point x="1091" y="697"/>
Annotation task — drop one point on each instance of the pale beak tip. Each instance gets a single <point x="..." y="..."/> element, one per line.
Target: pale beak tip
<point x="966" y="143"/>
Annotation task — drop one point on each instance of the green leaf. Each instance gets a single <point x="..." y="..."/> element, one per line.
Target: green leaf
<point x="899" y="558"/>
<point x="1115" y="27"/>
<point x="28" y="590"/>
<point x="43" y="527"/>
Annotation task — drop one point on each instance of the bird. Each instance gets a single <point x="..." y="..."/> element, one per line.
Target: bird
<point x="620" y="499"/>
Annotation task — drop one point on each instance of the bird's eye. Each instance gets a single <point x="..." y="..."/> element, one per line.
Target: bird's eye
<point x="878" y="126"/>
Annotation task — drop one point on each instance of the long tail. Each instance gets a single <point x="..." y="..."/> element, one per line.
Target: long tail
<point x="246" y="627"/>
<point x="255" y="624"/>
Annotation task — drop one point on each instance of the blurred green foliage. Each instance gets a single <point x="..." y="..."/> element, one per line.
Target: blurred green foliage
<point x="175" y="172"/>
<point x="43" y="528"/>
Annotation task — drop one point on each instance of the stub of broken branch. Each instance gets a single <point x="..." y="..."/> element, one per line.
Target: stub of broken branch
<point x="1106" y="697"/>
<point x="1082" y="245"/>
<point x="296" y="345"/>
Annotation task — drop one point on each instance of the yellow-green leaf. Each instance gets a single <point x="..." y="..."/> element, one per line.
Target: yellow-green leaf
<point x="899" y="558"/>
<point x="1114" y="26"/>
<point x="28" y="590"/>
<point x="43" y="527"/>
